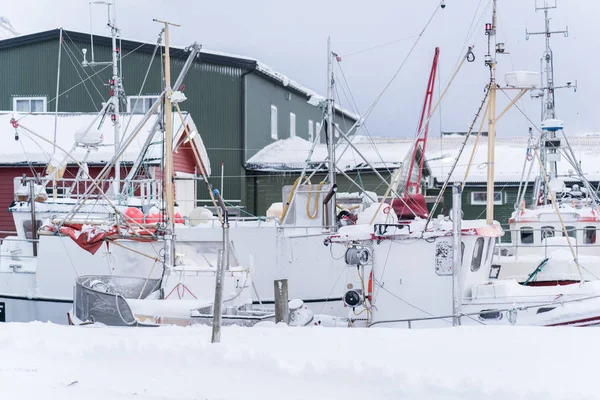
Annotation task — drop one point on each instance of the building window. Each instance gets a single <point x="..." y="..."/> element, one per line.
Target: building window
<point x="140" y="104"/>
<point x="570" y="231"/>
<point x="29" y="104"/>
<point x="311" y="130"/>
<point x="477" y="255"/>
<point x="526" y="235"/>
<point x="547" y="232"/>
<point x="292" y="124"/>
<point x="273" y="122"/>
<point x="480" y="198"/>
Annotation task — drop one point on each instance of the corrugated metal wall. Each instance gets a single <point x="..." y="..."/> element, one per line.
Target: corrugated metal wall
<point x="261" y="94"/>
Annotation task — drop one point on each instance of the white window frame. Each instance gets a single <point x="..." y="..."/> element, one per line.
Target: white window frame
<point x="29" y="98"/>
<point x="131" y="102"/>
<point x="274" y="135"/>
<point x="484" y="202"/>
<point x="292" y="125"/>
<point x="311" y="130"/>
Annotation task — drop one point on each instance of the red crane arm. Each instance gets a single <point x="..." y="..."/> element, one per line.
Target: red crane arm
<point x="422" y="140"/>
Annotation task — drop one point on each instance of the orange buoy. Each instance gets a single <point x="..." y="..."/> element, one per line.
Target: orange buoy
<point x="154" y="216"/>
<point x="134" y="214"/>
<point x="179" y="218"/>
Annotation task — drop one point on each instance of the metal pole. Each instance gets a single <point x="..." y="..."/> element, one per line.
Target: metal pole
<point x="116" y="88"/>
<point x="491" y="62"/>
<point x="169" y="192"/>
<point x="330" y="134"/>
<point x="222" y="175"/>
<point x="168" y="133"/>
<point x="456" y="252"/>
<point x="33" y="221"/>
<point x="281" y="300"/>
<point x="60" y="39"/>
<point x="221" y="266"/>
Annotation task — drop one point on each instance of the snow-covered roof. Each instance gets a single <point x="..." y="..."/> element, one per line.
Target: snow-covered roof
<point x="291" y="154"/>
<point x="510" y="156"/>
<point x="32" y="149"/>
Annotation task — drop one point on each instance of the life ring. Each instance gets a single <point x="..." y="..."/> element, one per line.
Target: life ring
<point x="386" y="210"/>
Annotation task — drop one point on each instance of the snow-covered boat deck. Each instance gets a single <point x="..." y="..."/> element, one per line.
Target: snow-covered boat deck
<point x="44" y="361"/>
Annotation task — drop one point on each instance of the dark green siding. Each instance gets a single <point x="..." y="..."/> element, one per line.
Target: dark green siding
<point x="502" y="213"/>
<point x="261" y="94"/>
<point x="265" y="188"/>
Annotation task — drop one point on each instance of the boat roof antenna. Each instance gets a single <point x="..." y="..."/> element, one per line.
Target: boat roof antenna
<point x="550" y="123"/>
<point x="115" y="83"/>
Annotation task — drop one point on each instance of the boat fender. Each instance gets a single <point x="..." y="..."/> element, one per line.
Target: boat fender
<point x="370" y="288"/>
<point x="134" y="214"/>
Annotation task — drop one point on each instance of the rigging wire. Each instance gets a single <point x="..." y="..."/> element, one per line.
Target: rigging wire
<point x="69" y="50"/>
<point x="82" y="82"/>
<point x="364" y="126"/>
<point x="395" y="75"/>
<point x="379" y="46"/>
<point x="80" y="77"/>
<point x="159" y="40"/>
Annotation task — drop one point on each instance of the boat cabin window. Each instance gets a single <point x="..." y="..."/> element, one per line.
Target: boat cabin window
<point x="444" y="257"/>
<point x="526" y="235"/>
<point x="477" y="255"/>
<point x="547" y="232"/>
<point x="570" y="231"/>
<point x="589" y="235"/>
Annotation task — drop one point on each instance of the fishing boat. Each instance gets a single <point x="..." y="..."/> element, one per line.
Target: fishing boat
<point x="435" y="272"/>
<point x="60" y="235"/>
<point x="553" y="228"/>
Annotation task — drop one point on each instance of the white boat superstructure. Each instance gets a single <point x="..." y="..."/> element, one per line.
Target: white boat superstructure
<point x="410" y="279"/>
<point x="553" y="244"/>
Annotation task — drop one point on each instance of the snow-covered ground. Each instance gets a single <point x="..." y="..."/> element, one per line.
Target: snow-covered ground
<point x="43" y="361"/>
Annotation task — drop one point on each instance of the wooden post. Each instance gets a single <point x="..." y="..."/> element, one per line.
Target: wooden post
<point x="281" y="300"/>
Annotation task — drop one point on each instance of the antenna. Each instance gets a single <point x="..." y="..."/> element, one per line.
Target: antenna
<point x="115" y="82"/>
<point x="548" y="141"/>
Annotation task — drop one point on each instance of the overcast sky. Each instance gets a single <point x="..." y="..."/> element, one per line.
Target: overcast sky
<point x="291" y="38"/>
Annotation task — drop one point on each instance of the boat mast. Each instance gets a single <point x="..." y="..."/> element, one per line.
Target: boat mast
<point x="115" y="91"/>
<point x="330" y="134"/>
<point x="116" y="84"/>
<point x="169" y="193"/>
<point x="490" y="61"/>
<point x="547" y="92"/>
